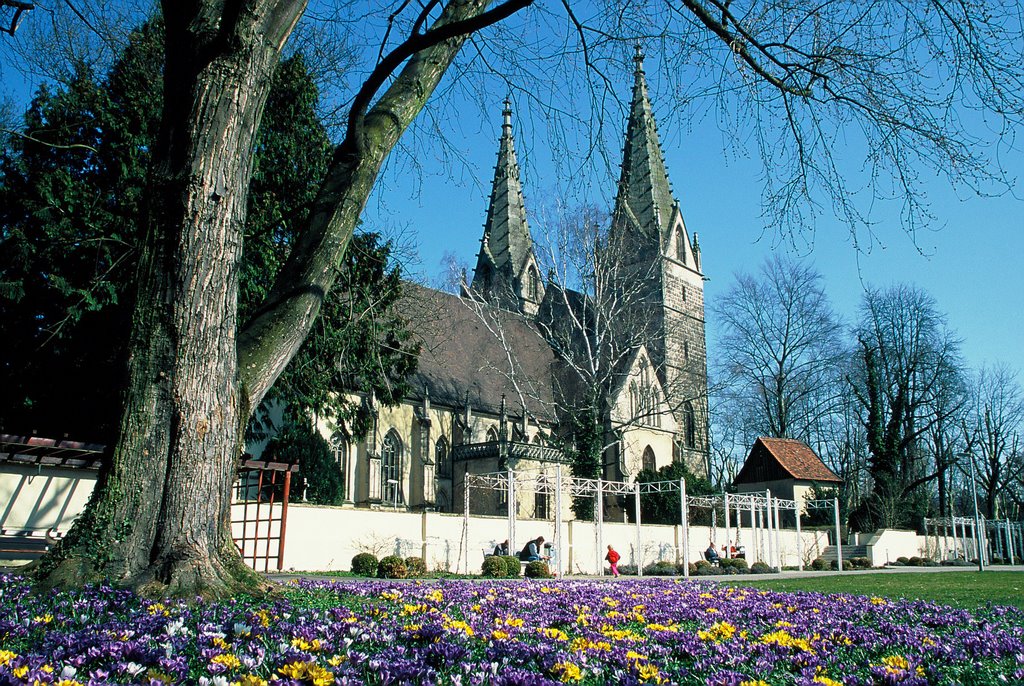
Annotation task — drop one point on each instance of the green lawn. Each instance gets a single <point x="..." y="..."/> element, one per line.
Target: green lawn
<point x="961" y="589"/>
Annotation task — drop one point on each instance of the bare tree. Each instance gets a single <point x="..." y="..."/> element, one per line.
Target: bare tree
<point x="780" y="349"/>
<point x="992" y="431"/>
<point x="595" y="319"/>
<point x="909" y="380"/>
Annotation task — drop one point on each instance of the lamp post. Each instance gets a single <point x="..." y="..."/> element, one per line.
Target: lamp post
<point x="977" y="518"/>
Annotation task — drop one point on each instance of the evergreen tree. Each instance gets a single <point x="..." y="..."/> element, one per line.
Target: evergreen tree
<point x="663" y="508"/>
<point x="71" y="192"/>
<point x="298" y="443"/>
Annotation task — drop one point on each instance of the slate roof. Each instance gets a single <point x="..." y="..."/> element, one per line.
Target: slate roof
<point x="773" y="458"/>
<point x="507" y="243"/>
<point x="645" y="195"/>
<point x="463" y="360"/>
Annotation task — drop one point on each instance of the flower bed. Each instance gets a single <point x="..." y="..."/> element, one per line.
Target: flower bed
<point x="503" y="632"/>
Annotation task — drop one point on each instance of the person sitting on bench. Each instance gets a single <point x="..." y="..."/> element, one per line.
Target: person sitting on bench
<point x="501" y="548"/>
<point x="532" y="550"/>
<point x="711" y="555"/>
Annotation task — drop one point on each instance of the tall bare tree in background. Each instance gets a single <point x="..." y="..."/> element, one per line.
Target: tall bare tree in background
<point x="993" y="428"/>
<point x="910" y="378"/>
<point x="593" y="316"/>
<point x="794" y="77"/>
<point x="780" y="349"/>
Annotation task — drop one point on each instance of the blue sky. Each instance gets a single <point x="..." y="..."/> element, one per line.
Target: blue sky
<point x="969" y="260"/>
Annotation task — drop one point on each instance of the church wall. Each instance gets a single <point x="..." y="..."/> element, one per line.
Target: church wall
<point x="421" y="485"/>
<point x="686" y="353"/>
<point x="635" y="441"/>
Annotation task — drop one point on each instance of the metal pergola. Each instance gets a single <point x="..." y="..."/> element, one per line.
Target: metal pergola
<point x="952" y="539"/>
<point x="764" y="511"/>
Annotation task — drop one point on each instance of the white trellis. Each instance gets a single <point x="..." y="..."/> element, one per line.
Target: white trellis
<point x="764" y="511"/>
<point x="955" y="537"/>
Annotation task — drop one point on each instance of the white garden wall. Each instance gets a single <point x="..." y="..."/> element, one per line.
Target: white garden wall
<point x="326" y="539"/>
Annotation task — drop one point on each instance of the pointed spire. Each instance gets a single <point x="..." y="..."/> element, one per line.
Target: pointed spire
<point x="506" y="251"/>
<point x="644" y="191"/>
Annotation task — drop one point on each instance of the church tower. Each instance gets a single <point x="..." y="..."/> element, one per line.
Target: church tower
<point x="507" y="274"/>
<point x="663" y="263"/>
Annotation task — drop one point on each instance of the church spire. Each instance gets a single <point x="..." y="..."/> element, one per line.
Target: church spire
<point x="506" y="272"/>
<point x="644" y="195"/>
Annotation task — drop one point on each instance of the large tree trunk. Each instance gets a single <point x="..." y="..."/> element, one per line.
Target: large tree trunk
<point x="159" y="519"/>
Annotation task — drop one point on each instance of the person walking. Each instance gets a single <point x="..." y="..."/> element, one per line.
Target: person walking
<point x="613" y="560"/>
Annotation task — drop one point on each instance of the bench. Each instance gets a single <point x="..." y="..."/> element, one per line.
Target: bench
<point x="27" y="544"/>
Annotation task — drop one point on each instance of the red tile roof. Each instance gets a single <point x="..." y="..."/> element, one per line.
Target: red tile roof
<point x="798" y="459"/>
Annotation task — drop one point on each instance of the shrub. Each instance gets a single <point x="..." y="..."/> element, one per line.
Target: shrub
<point x="762" y="568"/>
<point x="819" y="564"/>
<point x="494" y="566"/>
<point x="682" y="569"/>
<point x="710" y="570"/>
<point x="738" y="564"/>
<point x="391" y="567"/>
<point x="511" y="565"/>
<point x="364" y="564"/>
<point x="415" y="566"/>
<point x="537" y="570"/>
<point x="660" y="568"/>
<point x="903" y="560"/>
<point x="916" y="561"/>
<point x="860" y="563"/>
<point x="701" y="564"/>
<point x="628" y="570"/>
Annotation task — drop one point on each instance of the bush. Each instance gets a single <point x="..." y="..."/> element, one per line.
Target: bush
<point x="494" y="566"/>
<point x="820" y="564"/>
<point x="682" y="569"/>
<point x="537" y="570"/>
<point x="392" y="567"/>
<point x="762" y="568"/>
<point x="415" y="566"/>
<point x="701" y="564"/>
<point x="903" y="560"/>
<point x="710" y="570"/>
<point x="511" y="566"/>
<point x="627" y="570"/>
<point x="364" y="564"/>
<point x="660" y="568"/>
<point x="860" y="563"/>
<point x="737" y="563"/>
<point x="916" y="561"/>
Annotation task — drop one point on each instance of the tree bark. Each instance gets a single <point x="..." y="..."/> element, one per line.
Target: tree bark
<point x="159" y="519"/>
<point x="159" y="516"/>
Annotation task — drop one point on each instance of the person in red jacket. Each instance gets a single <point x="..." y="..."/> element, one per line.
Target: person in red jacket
<point x="613" y="559"/>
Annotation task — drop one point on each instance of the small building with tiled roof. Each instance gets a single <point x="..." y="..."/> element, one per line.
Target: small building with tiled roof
<point x="786" y="467"/>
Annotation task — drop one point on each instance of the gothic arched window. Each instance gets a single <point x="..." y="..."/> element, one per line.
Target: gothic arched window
<point x="444" y="464"/>
<point x="649" y="463"/>
<point x="391" y="468"/>
<point x="690" y="426"/>
<point x="339" y="447"/>
<point x="680" y="246"/>
<point x="492" y="435"/>
<point x="532" y="287"/>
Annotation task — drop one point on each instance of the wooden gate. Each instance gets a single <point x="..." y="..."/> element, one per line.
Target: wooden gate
<point x="259" y="512"/>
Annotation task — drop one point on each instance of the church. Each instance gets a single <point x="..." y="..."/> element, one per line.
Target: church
<point x="509" y="364"/>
